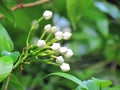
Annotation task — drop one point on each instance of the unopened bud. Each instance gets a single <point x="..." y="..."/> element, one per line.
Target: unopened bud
<point x="63" y="50"/>
<point x="65" y="67"/>
<point x="69" y="53"/>
<point x="59" y="60"/>
<point x="59" y="35"/>
<point x="56" y="46"/>
<point x="67" y="35"/>
<point x="47" y="27"/>
<point x="34" y="24"/>
<point x="41" y="43"/>
<point x="53" y="29"/>
<point x="47" y="14"/>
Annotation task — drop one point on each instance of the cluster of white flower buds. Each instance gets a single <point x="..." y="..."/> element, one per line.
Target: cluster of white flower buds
<point x="49" y="28"/>
<point x="60" y="35"/>
<point x="50" y="42"/>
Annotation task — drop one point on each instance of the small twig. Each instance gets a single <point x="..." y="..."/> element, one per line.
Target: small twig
<point x="21" y="5"/>
<point x="35" y="3"/>
<point x="7" y="82"/>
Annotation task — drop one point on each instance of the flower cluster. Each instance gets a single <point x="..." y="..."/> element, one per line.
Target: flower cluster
<point x="50" y="46"/>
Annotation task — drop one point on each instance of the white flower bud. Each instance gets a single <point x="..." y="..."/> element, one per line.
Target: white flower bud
<point x="65" y="67"/>
<point x="41" y="43"/>
<point x="59" y="60"/>
<point x="53" y="29"/>
<point x="69" y="53"/>
<point x="35" y="24"/>
<point x="67" y="35"/>
<point x="47" y="14"/>
<point x="47" y="27"/>
<point x="56" y="46"/>
<point x="63" y="50"/>
<point x="59" y="35"/>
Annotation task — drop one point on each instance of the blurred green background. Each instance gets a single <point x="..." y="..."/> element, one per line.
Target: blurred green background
<point x="95" y="41"/>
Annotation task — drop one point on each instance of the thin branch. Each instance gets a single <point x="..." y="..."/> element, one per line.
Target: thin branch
<point x="35" y="3"/>
<point x="7" y="81"/>
<point x="21" y="5"/>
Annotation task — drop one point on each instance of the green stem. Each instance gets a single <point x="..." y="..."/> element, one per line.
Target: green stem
<point x="43" y="34"/>
<point x="52" y="63"/>
<point x="20" y="60"/>
<point x="31" y="29"/>
<point x="40" y="19"/>
<point x="52" y="41"/>
<point x="48" y="36"/>
<point x="37" y="51"/>
<point x="28" y="37"/>
<point x="39" y="61"/>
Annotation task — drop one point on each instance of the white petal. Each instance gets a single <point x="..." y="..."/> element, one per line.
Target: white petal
<point x="59" y="60"/>
<point x="67" y="35"/>
<point x="65" y="67"/>
<point x="59" y="35"/>
<point x="56" y="46"/>
<point x="47" y="27"/>
<point x="47" y="14"/>
<point x="63" y="50"/>
<point x="41" y="43"/>
<point x="53" y="29"/>
<point x="69" y="53"/>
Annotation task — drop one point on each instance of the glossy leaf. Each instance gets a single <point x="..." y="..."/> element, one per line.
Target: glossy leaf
<point x="89" y="84"/>
<point x="109" y="8"/>
<point x="103" y="25"/>
<point x="76" y="8"/>
<point x="5" y="40"/>
<point x="93" y="14"/>
<point x="69" y="77"/>
<point x="13" y="55"/>
<point x="6" y="12"/>
<point x="102" y="83"/>
<point x="6" y="65"/>
<point x="95" y="84"/>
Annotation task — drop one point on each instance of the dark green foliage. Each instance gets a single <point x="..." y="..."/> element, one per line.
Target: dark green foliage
<point x="95" y="42"/>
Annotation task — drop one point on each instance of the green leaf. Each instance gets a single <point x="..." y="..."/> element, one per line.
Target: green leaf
<point x="75" y="9"/>
<point x="13" y="55"/>
<point x="69" y="77"/>
<point x="6" y="12"/>
<point x="102" y="83"/>
<point x="110" y="49"/>
<point x="79" y="88"/>
<point x="114" y="88"/>
<point x="5" y="40"/>
<point x="15" y="83"/>
<point x="90" y="85"/>
<point x="109" y="8"/>
<point x="6" y="65"/>
<point x="93" y="14"/>
<point x="95" y="84"/>
<point x="103" y="25"/>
